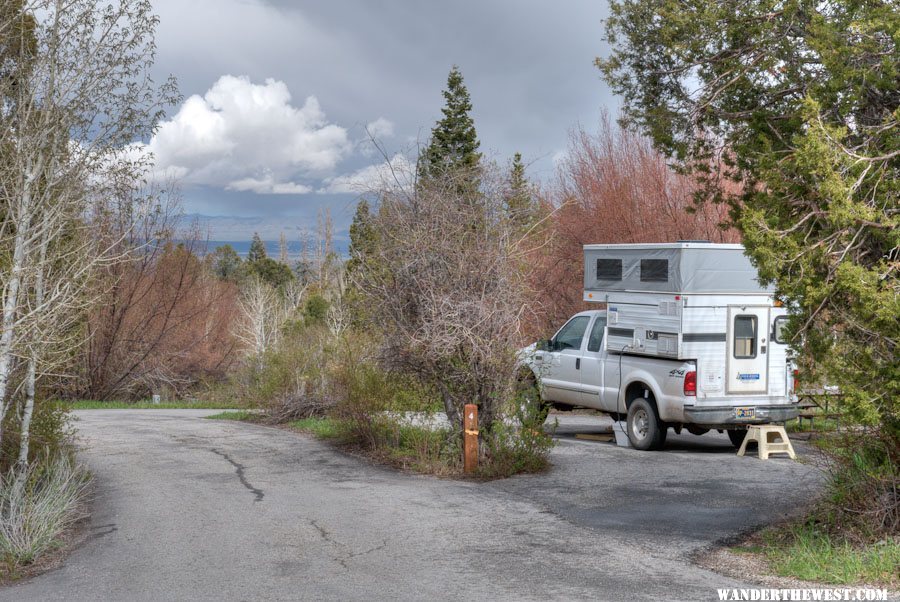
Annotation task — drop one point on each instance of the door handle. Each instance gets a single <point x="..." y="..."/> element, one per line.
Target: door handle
<point x="578" y="363"/>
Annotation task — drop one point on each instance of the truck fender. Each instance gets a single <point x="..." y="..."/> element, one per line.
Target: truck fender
<point x="663" y="405"/>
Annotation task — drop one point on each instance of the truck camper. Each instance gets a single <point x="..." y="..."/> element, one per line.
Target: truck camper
<point x="688" y="338"/>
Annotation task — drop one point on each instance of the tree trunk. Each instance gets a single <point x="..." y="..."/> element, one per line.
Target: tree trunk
<point x="31" y="376"/>
<point x="11" y="290"/>
<point x="450" y="408"/>
<point x="26" y="415"/>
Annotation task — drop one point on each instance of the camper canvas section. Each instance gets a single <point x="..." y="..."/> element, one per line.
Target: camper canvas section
<point x="678" y="268"/>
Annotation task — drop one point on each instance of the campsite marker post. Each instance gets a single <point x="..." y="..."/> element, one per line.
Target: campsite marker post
<point x="470" y="438"/>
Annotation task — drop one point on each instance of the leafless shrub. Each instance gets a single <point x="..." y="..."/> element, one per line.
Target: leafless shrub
<point x="263" y="313"/>
<point x="164" y="320"/>
<point x="445" y="286"/>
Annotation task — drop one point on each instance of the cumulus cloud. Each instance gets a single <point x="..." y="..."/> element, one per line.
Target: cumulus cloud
<point x="249" y="137"/>
<point x="268" y="185"/>
<point x="399" y="172"/>
<point x="380" y="128"/>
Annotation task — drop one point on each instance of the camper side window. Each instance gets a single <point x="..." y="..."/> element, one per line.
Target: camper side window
<point x="778" y="334"/>
<point x="744" y="337"/>
<point x="654" y="270"/>
<point x="609" y="269"/>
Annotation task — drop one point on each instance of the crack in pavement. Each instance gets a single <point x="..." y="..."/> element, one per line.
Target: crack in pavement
<point x="346" y="552"/>
<point x="239" y="470"/>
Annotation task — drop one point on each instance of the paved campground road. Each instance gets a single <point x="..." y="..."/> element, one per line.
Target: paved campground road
<point x="195" y="509"/>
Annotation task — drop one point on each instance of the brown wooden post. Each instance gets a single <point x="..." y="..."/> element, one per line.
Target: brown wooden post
<point x="470" y="438"/>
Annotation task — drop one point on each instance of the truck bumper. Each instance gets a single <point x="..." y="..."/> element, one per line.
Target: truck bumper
<point x="726" y="416"/>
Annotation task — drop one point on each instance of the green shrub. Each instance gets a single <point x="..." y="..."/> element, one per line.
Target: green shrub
<point x="370" y="399"/>
<point x="325" y="428"/>
<point x="513" y="449"/>
<point x="51" y="434"/>
<point x="290" y="382"/>
<point x="518" y="441"/>
<point x="862" y="504"/>
<point x="316" y="309"/>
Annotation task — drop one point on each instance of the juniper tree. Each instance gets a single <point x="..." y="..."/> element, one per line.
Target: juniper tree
<point x="798" y="102"/>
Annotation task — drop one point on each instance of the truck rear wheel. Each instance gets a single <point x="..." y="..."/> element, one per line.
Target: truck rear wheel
<point x="645" y="432"/>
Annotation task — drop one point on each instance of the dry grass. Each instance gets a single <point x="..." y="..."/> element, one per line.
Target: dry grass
<point x="37" y="506"/>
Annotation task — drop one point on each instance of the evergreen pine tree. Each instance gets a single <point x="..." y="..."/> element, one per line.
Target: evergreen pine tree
<point x="454" y="142"/>
<point x="521" y="204"/>
<point x="362" y="236"/>
<point x="257" y="249"/>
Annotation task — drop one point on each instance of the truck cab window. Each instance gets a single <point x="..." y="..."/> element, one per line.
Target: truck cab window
<point x="744" y="337"/>
<point x="570" y="335"/>
<point x="596" y="339"/>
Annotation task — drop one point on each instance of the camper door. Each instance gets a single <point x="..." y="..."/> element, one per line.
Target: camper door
<point x="748" y="363"/>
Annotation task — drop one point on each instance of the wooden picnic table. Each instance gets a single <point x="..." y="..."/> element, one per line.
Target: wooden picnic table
<point x="815" y="403"/>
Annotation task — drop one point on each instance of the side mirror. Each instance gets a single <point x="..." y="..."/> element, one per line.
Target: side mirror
<point x="544" y="345"/>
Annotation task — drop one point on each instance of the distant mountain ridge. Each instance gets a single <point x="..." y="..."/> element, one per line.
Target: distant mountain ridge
<point x="228" y="227"/>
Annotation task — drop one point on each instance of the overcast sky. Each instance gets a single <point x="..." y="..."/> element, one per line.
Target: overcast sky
<point x="278" y="94"/>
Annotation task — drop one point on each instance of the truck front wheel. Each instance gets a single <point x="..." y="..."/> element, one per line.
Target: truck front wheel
<point x="533" y="408"/>
<point x="644" y="429"/>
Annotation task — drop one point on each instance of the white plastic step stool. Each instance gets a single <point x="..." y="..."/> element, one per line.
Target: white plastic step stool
<point x="764" y="435"/>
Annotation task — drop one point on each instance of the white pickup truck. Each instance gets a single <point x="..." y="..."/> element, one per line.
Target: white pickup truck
<point x="689" y="338"/>
<point x="575" y="368"/>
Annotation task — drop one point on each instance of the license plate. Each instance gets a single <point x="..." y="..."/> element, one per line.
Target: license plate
<point x="744" y="413"/>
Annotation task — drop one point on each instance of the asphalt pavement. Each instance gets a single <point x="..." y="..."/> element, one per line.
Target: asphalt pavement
<point x="188" y="508"/>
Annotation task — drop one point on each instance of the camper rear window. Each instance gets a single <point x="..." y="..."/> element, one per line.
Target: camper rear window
<point x="778" y="334"/>
<point x="654" y="270"/>
<point x="609" y="269"/>
<point x="744" y="337"/>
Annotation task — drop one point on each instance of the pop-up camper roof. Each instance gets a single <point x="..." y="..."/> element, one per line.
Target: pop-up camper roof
<point x="683" y="267"/>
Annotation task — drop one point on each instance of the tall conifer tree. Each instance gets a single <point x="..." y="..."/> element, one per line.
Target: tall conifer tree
<point x="454" y="142"/>
<point x="521" y="204"/>
<point x="257" y="249"/>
